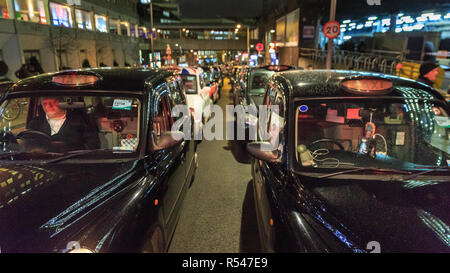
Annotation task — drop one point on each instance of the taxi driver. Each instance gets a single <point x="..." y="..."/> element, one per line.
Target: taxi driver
<point x="69" y="127"/>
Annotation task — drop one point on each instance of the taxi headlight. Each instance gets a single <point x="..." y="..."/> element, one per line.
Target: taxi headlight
<point x="81" y="250"/>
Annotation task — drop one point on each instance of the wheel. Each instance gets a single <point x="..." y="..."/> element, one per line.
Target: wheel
<point x="33" y="134"/>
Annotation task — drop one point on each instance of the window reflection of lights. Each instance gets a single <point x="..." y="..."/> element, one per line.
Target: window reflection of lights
<point x="436" y="225"/>
<point x="338" y="234"/>
<point x="421" y="19"/>
<point x="411" y="184"/>
<point x="435" y="17"/>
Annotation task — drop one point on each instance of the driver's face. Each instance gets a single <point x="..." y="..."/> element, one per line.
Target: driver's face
<point x="51" y="108"/>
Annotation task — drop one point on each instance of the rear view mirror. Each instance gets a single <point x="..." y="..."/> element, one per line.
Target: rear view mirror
<point x="167" y="140"/>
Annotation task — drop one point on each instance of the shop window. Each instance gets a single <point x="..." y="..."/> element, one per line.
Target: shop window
<point x="124" y="29"/>
<point x="61" y="15"/>
<point x="30" y="11"/>
<point x="114" y="26"/>
<point x="83" y="19"/>
<point x="100" y="23"/>
<point x="3" y="9"/>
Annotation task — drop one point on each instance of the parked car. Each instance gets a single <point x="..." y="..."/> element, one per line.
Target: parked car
<point x="197" y="94"/>
<point x="250" y="92"/>
<point x="111" y="178"/>
<point x="209" y="81"/>
<point x="352" y="162"/>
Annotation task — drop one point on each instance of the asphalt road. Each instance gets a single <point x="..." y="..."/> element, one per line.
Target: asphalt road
<point x="218" y="213"/>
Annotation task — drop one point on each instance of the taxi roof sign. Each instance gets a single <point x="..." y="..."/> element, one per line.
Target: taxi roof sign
<point x="75" y="78"/>
<point x="367" y="85"/>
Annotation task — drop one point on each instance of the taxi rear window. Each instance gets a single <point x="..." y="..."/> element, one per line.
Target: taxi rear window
<point x="190" y="84"/>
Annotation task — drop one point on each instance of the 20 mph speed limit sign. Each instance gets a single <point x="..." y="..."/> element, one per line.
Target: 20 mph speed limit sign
<point x="331" y="29"/>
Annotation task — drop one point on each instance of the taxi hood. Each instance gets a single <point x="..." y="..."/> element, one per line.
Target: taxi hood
<point x="38" y="201"/>
<point x="411" y="216"/>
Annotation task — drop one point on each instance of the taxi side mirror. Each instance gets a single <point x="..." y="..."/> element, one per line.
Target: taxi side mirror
<point x="167" y="139"/>
<point x="264" y="151"/>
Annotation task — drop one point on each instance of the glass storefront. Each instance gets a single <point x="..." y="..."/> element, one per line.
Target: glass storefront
<point x="30" y="11"/>
<point x="61" y="15"/>
<point x="100" y="23"/>
<point x="83" y="18"/>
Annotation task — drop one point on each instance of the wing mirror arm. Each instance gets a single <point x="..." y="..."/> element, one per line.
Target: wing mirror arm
<point x="167" y="139"/>
<point x="264" y="151"/>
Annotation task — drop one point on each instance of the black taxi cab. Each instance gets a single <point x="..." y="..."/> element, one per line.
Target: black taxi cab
<point x="353" y="162"/>
<point x="90" y="162"/>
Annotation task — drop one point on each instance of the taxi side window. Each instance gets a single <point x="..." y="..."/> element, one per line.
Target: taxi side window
<point x="14" y="114"/>
<point x="202" y="82"/>
<point x="275" y="120"/>
<point x="177" y="93"/>
<point x="163" y="121"/>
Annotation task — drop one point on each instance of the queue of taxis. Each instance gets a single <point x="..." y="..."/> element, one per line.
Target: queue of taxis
<point x="106" y="173"/>
<point x="197" y="93"/>
<point x="352" y="162"/>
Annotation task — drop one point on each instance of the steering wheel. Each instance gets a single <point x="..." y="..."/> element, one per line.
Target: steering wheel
<point x="33" y="134"/>
<point x="334" y="141"/>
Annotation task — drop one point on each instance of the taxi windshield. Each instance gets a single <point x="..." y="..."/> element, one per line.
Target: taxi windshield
<point x="46" y="125"/>
<point x="190" y="83"/>
<point x="401" y="134"/>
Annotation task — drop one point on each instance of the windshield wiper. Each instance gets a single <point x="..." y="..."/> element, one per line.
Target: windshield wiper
<point x="364" y="169"/>
<point x="10" y="155"/>
<point x="432" y="169"/>
<point x="72" y="154"/>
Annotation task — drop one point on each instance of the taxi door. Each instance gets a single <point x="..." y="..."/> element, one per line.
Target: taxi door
<point x="171" y="162"/>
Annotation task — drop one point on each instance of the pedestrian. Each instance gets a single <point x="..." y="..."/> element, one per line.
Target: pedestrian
<point x="24" y="72"/>
<point x="86" y="64"/>
<point x="35" y="66"/>
<point x="428" y="73"/>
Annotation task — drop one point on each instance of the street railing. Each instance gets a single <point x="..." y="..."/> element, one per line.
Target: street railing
<point x="376" y="61"/>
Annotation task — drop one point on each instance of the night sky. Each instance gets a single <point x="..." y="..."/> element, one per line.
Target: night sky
<point x="220" y="8"/>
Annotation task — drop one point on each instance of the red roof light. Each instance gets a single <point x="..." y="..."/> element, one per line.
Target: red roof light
<point x="75" y="79"/>
<point x="367" y="85"/>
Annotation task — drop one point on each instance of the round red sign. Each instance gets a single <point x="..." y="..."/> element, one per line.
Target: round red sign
<point x="259" y="47"/>
<point x="331" y="29"/>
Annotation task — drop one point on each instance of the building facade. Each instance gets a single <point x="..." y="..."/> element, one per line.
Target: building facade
<point x="65" y="34"/>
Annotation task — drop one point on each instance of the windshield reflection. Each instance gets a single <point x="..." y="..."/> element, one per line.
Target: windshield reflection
<point x="50" y="126"/>
<point x="389" y="134"/>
